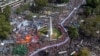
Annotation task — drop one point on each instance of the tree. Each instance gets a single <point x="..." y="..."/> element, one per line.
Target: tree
<point x="97" y="10"/>
<point x="93" y="3"/>
<point x="90" y="26"/>
<point x="58" y="1"/>
<point x="37" y="5"/>
<point x="7" y="11"/>
<point x="22" y="8"/>
<point x="66" y="1"/>
<point x="62" y="1"/>
<point x="18" y="10"/>
<point x="35" y="8"/>
<point x="84" y="52"/>
<point x="41" y="3"/>
<point x="73" y="32"/>
<point x="51" y="1"/>
<point x="0" y="10"/>
<point x="20" y="50"/>
<point x="88" y="11"/>
<point x="5" y="27"/>
<point x="92" y="7"/>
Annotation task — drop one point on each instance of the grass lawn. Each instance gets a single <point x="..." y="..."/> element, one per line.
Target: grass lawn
<point x="56" y="32"/>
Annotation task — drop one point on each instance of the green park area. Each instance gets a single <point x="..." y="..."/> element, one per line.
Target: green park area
<point x="56" y="32"/>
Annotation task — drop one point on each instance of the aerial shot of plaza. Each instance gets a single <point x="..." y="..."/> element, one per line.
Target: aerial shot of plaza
<point x="49" y="27"/>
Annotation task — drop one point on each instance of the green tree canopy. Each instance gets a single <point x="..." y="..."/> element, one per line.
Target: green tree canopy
<point x="93" y="3"/>
<point x="0" y="10"/>
<point x="73" y="32"/>
<point x="22" y="8"/>
<point x="62" y="1"/>
<point x="41" y="3"/>
<point x="84" y="52"/>
<point x="19" y="10"/>
<point x="20" y="50"/>
<point x="92" y="7"/>
<point x="58" y="1"/>
<point x="7" y="11"/>
<point x="97" y="10"/>
<point x="90" y="26"/>
<point x="66" y="1"/>
<point x="88" y="11"/>
<point x="37" y="5"/>
<point x="5" y="27"/>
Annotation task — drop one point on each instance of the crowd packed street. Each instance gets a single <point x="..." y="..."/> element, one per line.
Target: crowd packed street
<point x="27" y="32"/>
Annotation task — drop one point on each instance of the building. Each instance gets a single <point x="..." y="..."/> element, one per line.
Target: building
<point x="12" y="3"/>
